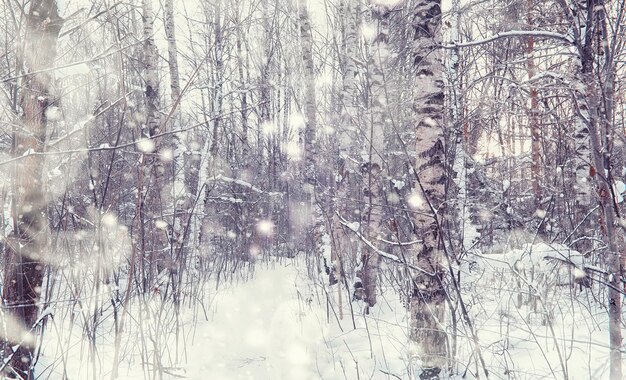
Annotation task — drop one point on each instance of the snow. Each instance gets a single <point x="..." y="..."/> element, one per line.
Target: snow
<point x="146" y="145"/>
<point x="506" y="184"/>
<point x="251" y="311"/>
<point x="430" y="122"/>
<point x="265" y="227"/>
<point x="166" y="155"/>
<point x="398" y="184"/>
<point x="54" y="172"/>
<point x="286" y="335"/>
<point x="280" y="323"/>
<point x="53" y="113"/>
<point x="620" y="190"/>
<point x="369" y="31"/>
<point x="109" y="219"/>
<point x="416" y="201"/>
<point x="293" y="150"/>
<point x="297" y="121"/>
<point x="269" y="128"/>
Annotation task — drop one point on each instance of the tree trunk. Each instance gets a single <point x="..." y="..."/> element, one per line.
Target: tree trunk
<point x="598" y="123"/>
<point x="428" y="297"/>
<point x="25" y="250"/>
<point x="172" y="54"/>
<point x="172" y="49"/>
<point x="214" y="166"/>
<point x="533" y="114"/>
<point x="308" y="135"/>
<point x="157" y="160"/>
<point x="343" y="139"/>
<point x="372" y="171"/>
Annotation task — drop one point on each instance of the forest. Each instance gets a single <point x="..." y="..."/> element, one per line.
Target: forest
<point x="312" y="189"/>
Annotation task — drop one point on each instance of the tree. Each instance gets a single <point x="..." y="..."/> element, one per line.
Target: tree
<point x="595" y="93"/>
<point x="308" y="135"/>
<point x="373" y="169"/>
<point x="429" y="295"/>
<point x="26" y="250"/>
<point x="157" y="157"/>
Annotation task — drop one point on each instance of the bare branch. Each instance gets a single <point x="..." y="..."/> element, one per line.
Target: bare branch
<point x="511" y="34"/>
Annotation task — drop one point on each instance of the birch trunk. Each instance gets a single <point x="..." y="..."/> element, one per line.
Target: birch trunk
<point x="182" y="219"/>
<point x="172" y="55"/>
<point x="25" y="249"/>
<point x="594" y="122"/>
<point x="172" y="49"/>
<point x="214" y="166"/>
<point x="461" y="214"/>
<point x="429" y="296"/>
<point x="602" y="154"/>
<point x="156" y="215"/>
<point x="372" y="170"/>
<point x="308" y="136"/>
<point x="533" y="114"/>
<point x="343" y="135"/>
<point x="582" y="27"/>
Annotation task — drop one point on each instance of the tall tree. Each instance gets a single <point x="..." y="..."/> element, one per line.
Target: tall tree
<point x="156" y="160"/>
<point x="25" y="250"/>
<point x="595" y="95"/>
<point x="373" y="168"/>
<point x="533" y="112"/>
<point x="429" y="296"/>
<point x="308" y="135"/>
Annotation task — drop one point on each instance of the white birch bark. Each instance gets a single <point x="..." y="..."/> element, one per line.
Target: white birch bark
<point x="179" y="140"/>
<point x="308" y="135"/>
<point x="594" y="123"/>
<point x="428" y="298"/>
<point x="157" y="159"/>
<point x="374" y="167"/>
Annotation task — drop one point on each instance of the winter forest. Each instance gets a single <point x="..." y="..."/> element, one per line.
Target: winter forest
<point x="312" y="189"/>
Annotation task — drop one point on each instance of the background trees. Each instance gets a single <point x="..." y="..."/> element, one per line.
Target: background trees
<point x="402" y="150"/>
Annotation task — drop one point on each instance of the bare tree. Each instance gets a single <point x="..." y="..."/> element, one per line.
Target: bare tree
<point x="308" y="134"/>
<point x="26" y="250"/>
<point x="429" y="296"/>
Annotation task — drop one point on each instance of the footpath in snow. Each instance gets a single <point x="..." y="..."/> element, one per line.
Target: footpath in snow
<point x="262" y="329"/>
<point x="276" y="326"/>
<point x="273" y="327"/>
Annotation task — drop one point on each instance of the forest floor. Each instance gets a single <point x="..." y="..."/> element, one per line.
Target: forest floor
<point x="278" y="324"/>
<point x="273" y="326"/>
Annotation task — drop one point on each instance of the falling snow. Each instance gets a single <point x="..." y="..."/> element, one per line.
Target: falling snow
<point x="323" y="189"/>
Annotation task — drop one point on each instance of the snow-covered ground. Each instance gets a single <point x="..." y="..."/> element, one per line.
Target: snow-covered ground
<point x="281" y="325"/>
<point x="278" y="325"/>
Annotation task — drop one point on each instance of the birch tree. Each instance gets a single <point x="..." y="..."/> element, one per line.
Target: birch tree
<point x="156" y="159"/>
<point x="594" y="93"/>
<point x="373" y="169"/>
<point x="308" y="134"/>
<point x="26" y="254"/>
<point x="429" y="296"/>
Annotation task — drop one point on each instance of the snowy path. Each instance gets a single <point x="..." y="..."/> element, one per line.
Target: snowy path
<point x="272" y="327"/>
<point x="262" y="329"/>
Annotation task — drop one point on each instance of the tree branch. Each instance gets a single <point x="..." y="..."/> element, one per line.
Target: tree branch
<point x="511" y="34"/>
